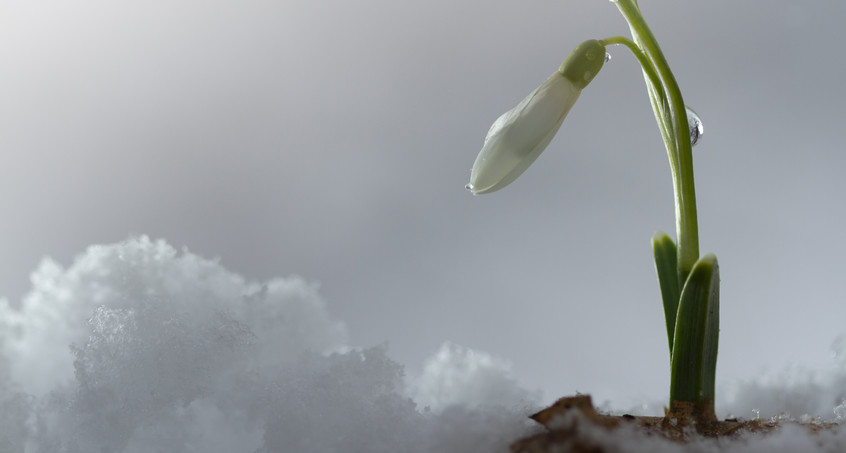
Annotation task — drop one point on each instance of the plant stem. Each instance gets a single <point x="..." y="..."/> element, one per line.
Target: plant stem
<point x="649" y="71"/>
<point x="668" y="104"/>
<point x="656" y="94"/>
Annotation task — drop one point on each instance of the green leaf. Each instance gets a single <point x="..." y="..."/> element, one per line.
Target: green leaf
<point x="694" y="358"/>
<point x="665" y="264"/>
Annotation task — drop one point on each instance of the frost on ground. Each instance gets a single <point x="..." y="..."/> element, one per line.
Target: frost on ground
<point x="139" y="348"/>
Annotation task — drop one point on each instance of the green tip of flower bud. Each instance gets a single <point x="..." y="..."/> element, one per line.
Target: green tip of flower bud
<point x="583" y="63"/>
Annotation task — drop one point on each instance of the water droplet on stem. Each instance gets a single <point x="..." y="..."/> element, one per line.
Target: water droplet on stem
<point x="694" y="124"/>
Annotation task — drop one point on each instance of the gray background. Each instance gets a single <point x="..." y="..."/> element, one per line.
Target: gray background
<point x="333" y="139"/>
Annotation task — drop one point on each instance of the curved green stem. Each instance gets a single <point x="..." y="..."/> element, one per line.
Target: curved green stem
<point x="669" y="109"/>
<point x="653" y="84"/>
<point x="649" y="71"/>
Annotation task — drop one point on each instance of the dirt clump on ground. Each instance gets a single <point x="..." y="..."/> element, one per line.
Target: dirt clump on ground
<point x="573" y="425"/>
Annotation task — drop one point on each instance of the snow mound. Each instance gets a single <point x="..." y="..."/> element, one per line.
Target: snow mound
<point x="460" y="376"/>
<point x="139" y="348"/>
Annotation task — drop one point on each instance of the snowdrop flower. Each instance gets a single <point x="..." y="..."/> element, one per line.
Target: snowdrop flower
<point x="518" y="137"/>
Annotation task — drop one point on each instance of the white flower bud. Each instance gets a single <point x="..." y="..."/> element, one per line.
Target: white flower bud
<point x="521" y="134"/>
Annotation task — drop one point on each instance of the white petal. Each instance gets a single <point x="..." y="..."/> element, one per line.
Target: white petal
<point x="519" y="136"/>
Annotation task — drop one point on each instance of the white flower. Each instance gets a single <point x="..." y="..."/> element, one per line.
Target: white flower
<point x="518" y="137"/>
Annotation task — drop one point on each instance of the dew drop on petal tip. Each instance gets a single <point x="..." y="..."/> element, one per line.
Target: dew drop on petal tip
<point x="469" y="187"/>
<point x="694" y="123"/>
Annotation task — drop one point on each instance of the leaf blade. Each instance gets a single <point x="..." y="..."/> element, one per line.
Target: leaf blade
<point x="666" y="260"/>
<point x="694" y="358"/>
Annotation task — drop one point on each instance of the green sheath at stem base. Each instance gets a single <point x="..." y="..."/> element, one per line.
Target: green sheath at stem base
<point x="694" y="358"/>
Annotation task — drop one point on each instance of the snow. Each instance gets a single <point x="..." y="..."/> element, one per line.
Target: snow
<point x="137" y="347"/>
<point x="458" y="375"/>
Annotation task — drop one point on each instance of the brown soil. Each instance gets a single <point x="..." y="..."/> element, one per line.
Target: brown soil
<point x="568" y="420"/>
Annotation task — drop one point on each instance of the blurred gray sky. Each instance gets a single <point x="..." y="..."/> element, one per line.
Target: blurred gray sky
<point x="333" y="139"/>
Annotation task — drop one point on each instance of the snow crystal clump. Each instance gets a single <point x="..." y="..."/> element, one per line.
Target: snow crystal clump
<point x="141" y="275"/>
<point x="794" y="392"/>
<point x="137" y="348"/>
<point x="458" y="375"/>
